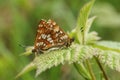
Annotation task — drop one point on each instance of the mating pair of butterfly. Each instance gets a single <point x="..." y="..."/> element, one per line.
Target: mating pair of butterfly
<point x="50" y="37"/>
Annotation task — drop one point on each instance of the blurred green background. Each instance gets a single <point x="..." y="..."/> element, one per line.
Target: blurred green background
<point x="18" y="24"/>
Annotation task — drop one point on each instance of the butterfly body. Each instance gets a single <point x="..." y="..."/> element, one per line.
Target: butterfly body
<point x="50" y="37"/>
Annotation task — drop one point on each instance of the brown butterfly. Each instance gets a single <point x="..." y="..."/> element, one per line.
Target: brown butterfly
<point x="50" y="37"/>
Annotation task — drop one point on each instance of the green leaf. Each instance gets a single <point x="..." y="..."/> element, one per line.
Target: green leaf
<point x="76" y="53"/>
<point x="83" y="15"/>
<point x="82" y="20"/>
<point x="108" y="45"/>
<point x="111" y="59"/>
<point x="88" y="25"/>
<point x="26" y="69"/>
<point x="92" y="37"/>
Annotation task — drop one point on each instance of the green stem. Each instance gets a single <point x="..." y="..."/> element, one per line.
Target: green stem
<point x="82" y="71"/>
<point x="88" y="63"/>
<point x="103" y="71"/>
<point x="90" y="70"/>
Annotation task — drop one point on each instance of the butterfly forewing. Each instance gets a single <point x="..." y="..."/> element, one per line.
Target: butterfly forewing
<point x="49" y="36"/>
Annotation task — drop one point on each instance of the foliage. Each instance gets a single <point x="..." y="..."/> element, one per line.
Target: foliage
<point x="18" y="24"/>
<point x="85" y="47"/>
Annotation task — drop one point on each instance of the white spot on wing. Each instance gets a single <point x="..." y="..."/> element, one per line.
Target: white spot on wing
<point x="51" y="25"/>
<point x="61" y="32"/>
<point x="60" y="40"/>
<point x="38" y="30"/>
<point x="44" y="44"/>
<point x="39" y="37"/>
<point x="40" y="25"/>
<point x="48" y="35"/>
<point x="49" y="39"/>
<point x="56" y="35"/>
<point x="37" y="44"/>
<point x="54" y="23"/>
<point x="41" y="43"/>
<point x="64" y="37"/>
<point x="43" y="36"/>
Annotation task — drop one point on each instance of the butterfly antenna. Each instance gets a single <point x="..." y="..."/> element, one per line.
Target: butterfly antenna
<point x="23" y="46"/>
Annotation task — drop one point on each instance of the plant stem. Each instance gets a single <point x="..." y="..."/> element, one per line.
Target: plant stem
<point x="82" y="71"/>
<point x="87" y="62"/>
<point x="103" y="71"/>
<point x="90" y="70"/>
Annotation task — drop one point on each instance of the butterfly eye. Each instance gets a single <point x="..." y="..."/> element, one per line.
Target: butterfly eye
<point x="50" y="36"/>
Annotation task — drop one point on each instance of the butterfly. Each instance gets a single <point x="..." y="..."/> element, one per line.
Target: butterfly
<point x="50" y="37"/>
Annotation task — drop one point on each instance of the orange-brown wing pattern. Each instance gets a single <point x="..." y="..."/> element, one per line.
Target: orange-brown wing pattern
<point x="50" y="35"/>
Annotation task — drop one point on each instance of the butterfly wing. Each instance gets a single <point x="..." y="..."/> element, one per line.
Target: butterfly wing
<point x="50" y="35"/>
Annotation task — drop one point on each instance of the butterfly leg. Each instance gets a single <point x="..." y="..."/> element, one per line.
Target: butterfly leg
<point x="37" y="51"/>
<point x="68" y="43"/>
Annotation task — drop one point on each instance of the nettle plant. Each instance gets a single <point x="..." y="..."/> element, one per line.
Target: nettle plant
<point x="86" y="46"/>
